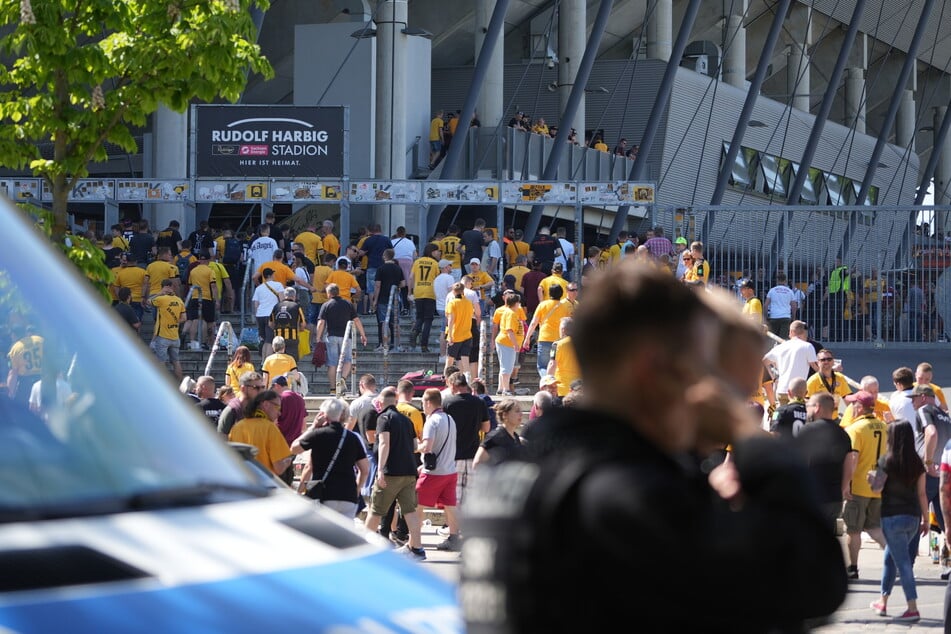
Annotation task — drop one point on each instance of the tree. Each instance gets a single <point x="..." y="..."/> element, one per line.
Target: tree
<point x="79" y="73"/>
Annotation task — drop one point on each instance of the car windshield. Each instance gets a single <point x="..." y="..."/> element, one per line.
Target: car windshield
<point x="89" y="421"/>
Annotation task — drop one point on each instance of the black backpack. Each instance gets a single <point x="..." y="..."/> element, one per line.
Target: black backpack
<point x="232" y="254"/>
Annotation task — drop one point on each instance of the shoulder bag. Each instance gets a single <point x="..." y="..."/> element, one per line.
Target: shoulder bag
<point x="315" y="488"/>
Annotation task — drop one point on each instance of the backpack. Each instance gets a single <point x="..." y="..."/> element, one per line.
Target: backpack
<point x="183" y="262"/>
<point x="232" y="254"/>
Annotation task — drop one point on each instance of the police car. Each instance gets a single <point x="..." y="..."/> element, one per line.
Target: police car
<point x="121" y="510"/>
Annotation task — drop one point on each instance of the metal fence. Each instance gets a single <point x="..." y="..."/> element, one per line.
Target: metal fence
<point x="887" y="267"/>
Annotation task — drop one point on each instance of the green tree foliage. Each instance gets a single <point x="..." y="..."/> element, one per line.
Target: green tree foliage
<point x="79" y="73"/>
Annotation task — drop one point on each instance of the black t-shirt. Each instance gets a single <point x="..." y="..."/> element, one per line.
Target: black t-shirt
<point x="127" y="313"/>
<point x="472" y="240"/>
<point x="211" y="408"/>
<point x="824" y="445"/>
<point x="201" y="241"/>
<point x="367" y="423"/>
<point x="543" y="249"/>
<point x="469" y="411"/>
<point x="140" y="245"/>
<point x="337" y="312"/>
<point x="788" y="419"/>
<point x="286" y="316"/>
<point x="502" y="446"/>
<point x="340" y="483"/>
<point x="170" y="238"/>
<point x="400" y="460"/>
<point x="388" y="275"/>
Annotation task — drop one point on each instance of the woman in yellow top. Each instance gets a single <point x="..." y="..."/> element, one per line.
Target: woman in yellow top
<point x="509" y="341"/>
<point x="240" y="363"/>
<point x="698" y="273"/>
<point x="259" y="428"/>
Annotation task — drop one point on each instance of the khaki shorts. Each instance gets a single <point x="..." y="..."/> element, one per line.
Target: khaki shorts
<point x="862" y="514"/>
<point x="401" y="489"/>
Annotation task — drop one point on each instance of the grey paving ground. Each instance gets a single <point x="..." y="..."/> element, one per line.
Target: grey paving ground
<point x="855" y="615"/>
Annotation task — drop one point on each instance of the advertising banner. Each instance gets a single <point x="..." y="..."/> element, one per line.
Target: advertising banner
<point x="21" y="189"/>
<point x="267" y="141"/>
<point x="384" y="192"/>
<point x="140" y="190"/>
<point x="615" y="193"/>
<point x="306" y="191"/>
<point x="539" y="193"/>
<point x="91" y="190"/>
<point x="461" y="192"/>
<point x="230" y="191"/>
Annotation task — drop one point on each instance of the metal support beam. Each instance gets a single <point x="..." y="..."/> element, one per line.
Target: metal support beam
<point x="657" y="111"/>
<point x="932" y="165"/>
<point x="495" y="28"/>
<point x="911" y="58"/>
<point x="574" y="99"/>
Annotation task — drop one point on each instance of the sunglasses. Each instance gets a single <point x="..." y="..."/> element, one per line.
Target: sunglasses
<point x="256" y="387"/>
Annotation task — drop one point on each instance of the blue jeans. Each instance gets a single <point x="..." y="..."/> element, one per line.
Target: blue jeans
<point x="899" y="530"/>
<point x="544" y="356"/>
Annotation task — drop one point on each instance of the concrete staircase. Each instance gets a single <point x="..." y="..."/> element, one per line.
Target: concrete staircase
<point x="388" y="369"/>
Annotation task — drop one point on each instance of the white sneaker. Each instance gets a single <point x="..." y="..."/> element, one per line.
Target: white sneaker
<point x="194" y="345"/>
<point x="443" y="530"/>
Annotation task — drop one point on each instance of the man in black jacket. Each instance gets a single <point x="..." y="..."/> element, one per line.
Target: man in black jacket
<point x="600" y="525"/>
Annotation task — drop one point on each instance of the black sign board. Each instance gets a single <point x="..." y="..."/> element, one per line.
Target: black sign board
<point x="270" y="141"/>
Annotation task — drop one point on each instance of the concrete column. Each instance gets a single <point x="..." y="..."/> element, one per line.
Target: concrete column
<point x="391" y="81"/>
<point x="491" y="98"/>
<point x="797" y="77"/>
<point x="855" y="99"/>
<point x="571" y="43"/>
<point x="798" y="70"/>
<point x="734" y="52"/>
<point x="905" y="121"/>
<point x="660" y="29"/>
<point x="170" y="160"/>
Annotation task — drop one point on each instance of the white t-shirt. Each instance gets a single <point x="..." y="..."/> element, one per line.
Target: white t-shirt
<point x="266" y="295"/>
<point x="792" y="359"/>
<point x="568" y="253"/>
<point x="403" y="248"/>
<point x="780" y="300"/>
<point x="261" y="251"/>
<point x="901" y="406"/>
<point x="492" y="250"/>
<point x="442" y="286"/>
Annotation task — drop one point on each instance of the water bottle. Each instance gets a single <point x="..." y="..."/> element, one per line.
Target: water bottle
<point x="935" y="553"/>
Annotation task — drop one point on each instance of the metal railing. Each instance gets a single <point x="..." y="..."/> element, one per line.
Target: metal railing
<point x="865" y="274"/>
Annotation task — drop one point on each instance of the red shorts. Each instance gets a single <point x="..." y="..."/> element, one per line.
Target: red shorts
<point x="436" y="490"/>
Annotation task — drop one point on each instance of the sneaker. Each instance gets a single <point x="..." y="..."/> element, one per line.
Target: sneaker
<point x="452" y="543"/>
<point x="852" y="572"/>
<point x="878" y="608"/>
<point x="205" y="346"/>
<point x="910" y="616"/>
<point x="413" y="553"/>
<point x="945" y="574"/>
<point x="514" y="381"/>
<point x="380" y="348"/>
<point x="398" y="540"/>
<point x="424" y="349"/>
<point x="443" y="530"/>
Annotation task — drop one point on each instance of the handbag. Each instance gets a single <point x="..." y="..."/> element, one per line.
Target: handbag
<point x="315" y="488"/>
<point x="429" y="458"/>
<point x="320" y="354"/>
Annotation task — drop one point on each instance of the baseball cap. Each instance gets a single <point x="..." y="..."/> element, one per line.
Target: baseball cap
<point x="444" y="263"/>
<point x="547" y="380"/>
<point x="863" y="397"/>
<point x="923" y="390"/>
<point x="280" y="380"/>
<point x="746" y="283"/>
<point x="475" y="261"/>
<point x="680" y="240"/>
